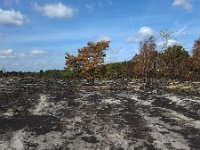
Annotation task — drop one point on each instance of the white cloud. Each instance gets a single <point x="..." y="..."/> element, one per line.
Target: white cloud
<point x="183" y="3"/>
<point x="103" y="3"/>
<point x="142" y="33"/>
<point x="173" y="42"/>
<point x="8" y="53"/>
<point x="11" y="17"/>
<point x="55" y="10"/>
<point x="169" y="43"/>
<point x="103" y="38"/>
<point x="23" y="55"/>
<point x="90" y="7"/>
<point x="36" y="52"/>
<point x="145" y="32"/>
<point x="33" y="53"/>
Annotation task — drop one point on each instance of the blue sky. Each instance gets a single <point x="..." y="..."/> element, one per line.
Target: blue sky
<point x="36" y="34"/>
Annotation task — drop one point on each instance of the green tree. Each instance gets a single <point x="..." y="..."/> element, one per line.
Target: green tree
<point x="174" y="62"/>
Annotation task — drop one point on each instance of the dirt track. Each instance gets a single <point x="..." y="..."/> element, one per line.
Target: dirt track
<point x="56" y="114"/>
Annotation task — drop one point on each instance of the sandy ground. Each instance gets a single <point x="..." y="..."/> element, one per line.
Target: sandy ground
<point x="57" y="114"/>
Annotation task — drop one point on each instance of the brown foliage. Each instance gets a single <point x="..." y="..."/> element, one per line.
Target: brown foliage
<point x="89" y="57"/>
<point x="196" y="57"/>
<point x="146" y="60"/>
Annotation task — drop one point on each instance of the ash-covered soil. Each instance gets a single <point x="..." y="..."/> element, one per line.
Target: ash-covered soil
<point x="44" y="114"/>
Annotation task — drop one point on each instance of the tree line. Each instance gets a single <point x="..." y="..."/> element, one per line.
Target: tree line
<point x="60" y="74"/>
<point x="170" y="62"/>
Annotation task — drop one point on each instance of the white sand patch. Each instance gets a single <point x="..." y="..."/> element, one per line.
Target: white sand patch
<point x="164" y="138"/>
<point x="17" y="141"/>
<point x="135" y="97"/>
<point x="110" y="138"/>
<point x="44" y="107"/>
<point x="181" y="100"/>
<point x="178" y="116"/>
<point x="118" y="139"/>
<point x="196" y="124"/>
<point x="134" y="85"/>
<point x="51" y="140"/>
<point x="77" y="119"/>
<point x="4" y="145"/>
<point x="173" y="98"/>
<point x="169" y="141"/>
<point x="111" y="101"/>
<point x="139" y="101"/>
<point x="188" y="121"/>
<point x="185" y="102"/>
<point x="9" y="113"/>
<point x="41" y="106"/>
<point x="79" y="144"/>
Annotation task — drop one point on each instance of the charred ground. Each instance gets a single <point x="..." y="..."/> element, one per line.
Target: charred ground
<point x="60" y="114"/>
